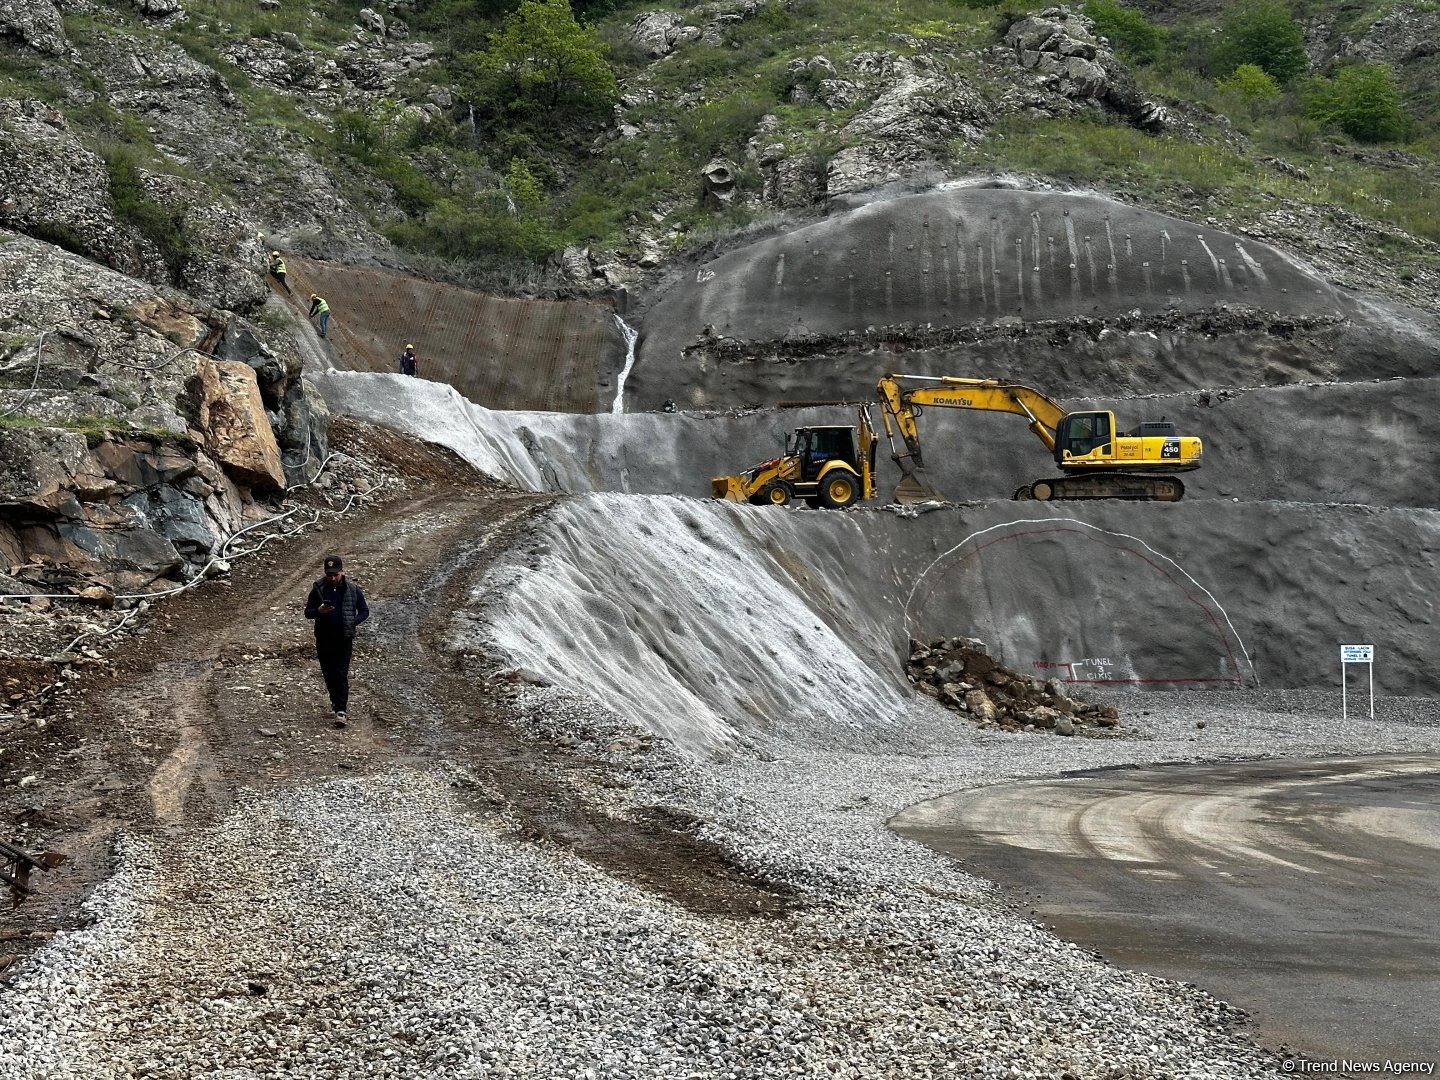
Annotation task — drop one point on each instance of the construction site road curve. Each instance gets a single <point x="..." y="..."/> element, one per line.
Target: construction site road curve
<point x="1302" y="891"/>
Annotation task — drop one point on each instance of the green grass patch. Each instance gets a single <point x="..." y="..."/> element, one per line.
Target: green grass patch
<point x="164" y="226"/>
<point x="87" y="424"/>
<point x="1109" y="154"/>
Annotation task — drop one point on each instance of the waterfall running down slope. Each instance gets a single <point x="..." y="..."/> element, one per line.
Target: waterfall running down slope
<point x="630" y="335"/>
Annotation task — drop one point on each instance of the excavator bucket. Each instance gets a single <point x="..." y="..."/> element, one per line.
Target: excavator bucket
<point x="727" y="487"/>
<point x="915" y="488"/>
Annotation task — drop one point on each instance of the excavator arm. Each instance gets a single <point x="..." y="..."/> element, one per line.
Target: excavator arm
<point x="901" y="405"/>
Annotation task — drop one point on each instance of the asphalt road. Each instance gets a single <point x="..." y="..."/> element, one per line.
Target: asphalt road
<point x="1303" y="891"/>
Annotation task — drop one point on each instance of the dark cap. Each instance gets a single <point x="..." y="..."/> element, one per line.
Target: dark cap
<point x="333" y="563"/>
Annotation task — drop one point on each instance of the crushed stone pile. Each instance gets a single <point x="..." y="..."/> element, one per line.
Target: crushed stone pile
<point x="961" y="675"/>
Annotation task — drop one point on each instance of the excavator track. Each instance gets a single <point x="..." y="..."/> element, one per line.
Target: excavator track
<point x="1105" y="486"/>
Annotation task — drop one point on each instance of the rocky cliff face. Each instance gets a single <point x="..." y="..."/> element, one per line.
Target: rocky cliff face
<point x="139" y="428"/>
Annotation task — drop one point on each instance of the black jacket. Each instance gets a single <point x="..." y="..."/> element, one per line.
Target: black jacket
<point x="348" y="601"/>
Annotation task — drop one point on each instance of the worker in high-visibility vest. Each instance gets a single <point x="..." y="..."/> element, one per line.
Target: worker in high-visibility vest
<point x="277" y="269"/>
<point x="318" y="306"/>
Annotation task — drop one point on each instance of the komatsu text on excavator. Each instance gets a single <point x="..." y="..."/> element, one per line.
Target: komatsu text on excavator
<point x="1096" y="458"/>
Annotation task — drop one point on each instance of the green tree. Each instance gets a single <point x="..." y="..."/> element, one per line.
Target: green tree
<point x="541" y="60"/>
<point x="1363" y="101"/>
<point x="1130" y="33"/>
<point x="1248" y="90"/>
<point x="1262" y="33"/>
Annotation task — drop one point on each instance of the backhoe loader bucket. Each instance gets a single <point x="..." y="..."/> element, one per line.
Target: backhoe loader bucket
<point x="915" y="488"/>
<point x="727" y="487"/>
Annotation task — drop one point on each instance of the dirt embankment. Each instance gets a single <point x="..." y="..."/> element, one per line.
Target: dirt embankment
<point x="219" y="691"/>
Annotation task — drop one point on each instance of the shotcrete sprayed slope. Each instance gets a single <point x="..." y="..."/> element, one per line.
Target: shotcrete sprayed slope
<point x="712" y="624"/>
<point x="1370" y="443"/>
<point x="951" y="273"/>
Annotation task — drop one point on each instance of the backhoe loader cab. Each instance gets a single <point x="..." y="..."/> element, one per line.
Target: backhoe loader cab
<point x="822" y="464"/>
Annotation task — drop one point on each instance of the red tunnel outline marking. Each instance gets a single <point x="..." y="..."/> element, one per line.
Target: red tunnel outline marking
<point x="1184" y="590"/>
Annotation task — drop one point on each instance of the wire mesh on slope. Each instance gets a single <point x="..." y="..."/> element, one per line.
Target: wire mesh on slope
<point x="502" y="353"/>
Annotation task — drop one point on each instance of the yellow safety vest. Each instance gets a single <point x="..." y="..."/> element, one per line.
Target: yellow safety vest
<point x="321" y="306"/>
<point x="278" y="266"/>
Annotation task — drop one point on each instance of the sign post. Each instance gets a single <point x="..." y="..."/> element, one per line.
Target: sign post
<point x="1357" y="654"/>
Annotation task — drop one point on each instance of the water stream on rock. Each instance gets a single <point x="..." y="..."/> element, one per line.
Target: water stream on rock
<point x="630" y="334"/>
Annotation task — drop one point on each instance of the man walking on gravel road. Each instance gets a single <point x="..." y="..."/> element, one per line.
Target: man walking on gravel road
<point x="338" y="606"/>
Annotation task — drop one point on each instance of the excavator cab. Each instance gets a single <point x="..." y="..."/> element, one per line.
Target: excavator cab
<point x="1081" y="433"/>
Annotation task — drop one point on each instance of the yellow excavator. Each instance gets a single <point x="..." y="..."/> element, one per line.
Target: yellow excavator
<point x="821" y="465"/>
<point x="1096" y="458"/>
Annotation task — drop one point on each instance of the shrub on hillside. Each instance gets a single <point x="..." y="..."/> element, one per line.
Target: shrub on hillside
<point x="541" y="62"/>
<point x="1131" y="35"/>
<point x="162" y="226"/>
<point x="1262" y="33"/>
<point x="721" y="127"/>
<point x="1250" y="83"/>
<point x="1248" y="89"/>
<point x="1363" y="101"/>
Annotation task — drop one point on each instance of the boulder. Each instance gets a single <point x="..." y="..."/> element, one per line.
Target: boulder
<point x="35" y="23"/>
<point x="719" y="179"/>
<point x="656" y="33"/>
<point x="1062" y="46"/>
<point x="232" y="419"/>
<point x="159" y="9"/>
<point x="575" y="266"/>
<point x="791" y="182"/>
<point x="305" y="433"/>
<point x="224" y="254"/>
<point x="979" y="704"/>
<point x="41" y="469"/>
<point x="1041" y="716"/>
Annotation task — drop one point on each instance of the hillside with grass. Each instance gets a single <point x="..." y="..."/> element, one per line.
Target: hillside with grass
<point x="522" y="145"/>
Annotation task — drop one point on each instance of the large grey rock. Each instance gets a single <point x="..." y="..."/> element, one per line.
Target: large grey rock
<point x="223" y="250"/>
<point x="304" y="439"/>
<point x="35" y="23"/>
<point x="1062" y="47"/>
<point x="719" y="179"/>
<point x="54" y="188"/>
<point x="122" y="510"/>
<point x="656" y="33"/>
<point x="792" y="182"/>
<point x="919" y="106"/>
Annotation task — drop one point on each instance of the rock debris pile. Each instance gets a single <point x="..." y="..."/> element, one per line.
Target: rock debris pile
<point x="963" y="677"/>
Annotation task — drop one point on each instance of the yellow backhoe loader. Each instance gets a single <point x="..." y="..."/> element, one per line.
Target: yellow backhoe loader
<point x="821" y="465"/>
<point x="1098" y="460"/>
